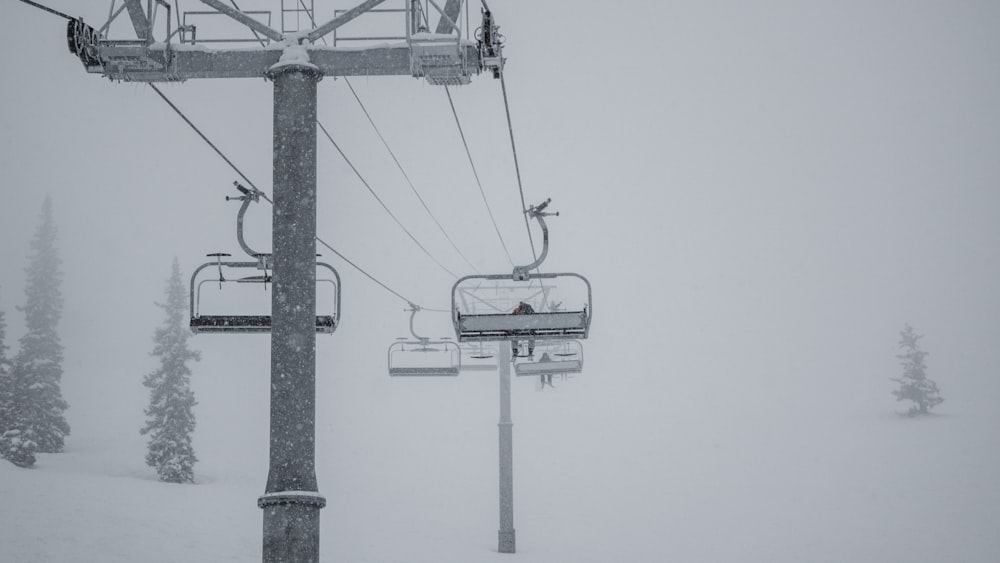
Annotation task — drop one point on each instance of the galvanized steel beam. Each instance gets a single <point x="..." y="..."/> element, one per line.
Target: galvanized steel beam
<point x="139" y="20"/>
<point x="245" y="20"/>
<point x="135" y="62"/>
<point x="451" y="10"/>
<point x="340" y="20"/>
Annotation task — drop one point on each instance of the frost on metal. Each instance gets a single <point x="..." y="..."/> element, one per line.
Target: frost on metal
<point x="293" y="54"/>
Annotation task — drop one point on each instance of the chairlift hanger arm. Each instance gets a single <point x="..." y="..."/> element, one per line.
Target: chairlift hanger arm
<point x="522" y="273"/>
<point x="250" y="195"/>
<point x="413" y="313"/>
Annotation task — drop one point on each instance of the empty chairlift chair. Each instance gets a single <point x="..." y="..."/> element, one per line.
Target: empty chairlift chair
<point x="423" y="357"/>
<point x="479" y="356"/>
<point x="230" y="274"/>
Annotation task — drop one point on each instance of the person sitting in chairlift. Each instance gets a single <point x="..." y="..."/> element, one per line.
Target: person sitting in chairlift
<point x="546" y="378"/>
<point x="524" y="309"/>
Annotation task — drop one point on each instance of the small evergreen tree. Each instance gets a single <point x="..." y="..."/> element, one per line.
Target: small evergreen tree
<point x="169" y="417"/>
<point x="13" y="447"/>
<point x="914" y="385"/>
<point x="38" y="364"/>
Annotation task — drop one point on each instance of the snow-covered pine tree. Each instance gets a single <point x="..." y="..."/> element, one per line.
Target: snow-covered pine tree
<point x="6" y="383"/>
<point x="19" y="451"/>
<point x="914" y="385"/>
<point x="38" y="363"/>
<point x="170" y="417"/>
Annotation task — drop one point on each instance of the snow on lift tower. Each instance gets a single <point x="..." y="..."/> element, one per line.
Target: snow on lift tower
<point x="535" y="317"/>
<point x="252" y="323"/>
<point x="422" y="356"/>
<point x="554" y="358"/>
<point x="176" y="45"/>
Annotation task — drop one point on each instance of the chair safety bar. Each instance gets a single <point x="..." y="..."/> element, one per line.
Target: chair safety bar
<point x="248" y="324"/>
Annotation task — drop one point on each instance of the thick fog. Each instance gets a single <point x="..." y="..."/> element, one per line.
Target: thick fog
<point x="762" y="195"/>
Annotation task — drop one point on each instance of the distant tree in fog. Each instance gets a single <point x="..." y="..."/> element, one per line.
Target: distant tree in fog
<point x="37" y="367"/>
<point x="914" y="385"/>
<point x="170" y="417"/>
<point x="13" y="447"/>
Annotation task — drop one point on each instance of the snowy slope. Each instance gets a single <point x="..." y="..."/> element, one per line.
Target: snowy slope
<point x="603" y="472"/>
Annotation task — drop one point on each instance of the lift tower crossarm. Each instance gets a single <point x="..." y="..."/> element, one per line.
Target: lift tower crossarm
<point x="448" y="17"/>
<point x="243" y="19"/>
<point x="139" y="20"/>
<point x="187" y="64"/>
<point x="340" y="20"/>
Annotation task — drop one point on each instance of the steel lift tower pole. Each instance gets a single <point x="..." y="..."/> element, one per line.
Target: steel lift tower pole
<point x="506" y="540"/>
<point x="291" y="501"/>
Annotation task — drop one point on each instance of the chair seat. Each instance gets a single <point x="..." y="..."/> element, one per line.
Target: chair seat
<point x="521" y="327"/>
<point x="546" y="368"/>
<point x="249" y="324"/>
<point x="423" y="372"/>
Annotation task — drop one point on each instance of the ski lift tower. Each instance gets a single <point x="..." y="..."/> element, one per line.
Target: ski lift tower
<point x="166" y="50"/>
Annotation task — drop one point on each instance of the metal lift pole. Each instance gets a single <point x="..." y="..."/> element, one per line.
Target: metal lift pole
<point x="507" y="543"/>
<point x="291" y="501"/>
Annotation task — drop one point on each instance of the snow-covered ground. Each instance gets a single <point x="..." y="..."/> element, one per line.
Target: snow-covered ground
<point x="612" y="465"/>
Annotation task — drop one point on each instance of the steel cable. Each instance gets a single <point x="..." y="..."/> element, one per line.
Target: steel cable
<point x="268" y="199"/>
<point x="476" y="174"/>
<point x="47" y="9"/>
<point x="408" y="181"/>
<point x="382" y="203"/>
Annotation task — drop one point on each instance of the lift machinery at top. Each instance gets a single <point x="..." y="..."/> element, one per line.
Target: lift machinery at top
<point x="253" y="323"/>
<point x="550" y="306"/>
<point x="175" y="45"/>
<point x="423" y="356"/>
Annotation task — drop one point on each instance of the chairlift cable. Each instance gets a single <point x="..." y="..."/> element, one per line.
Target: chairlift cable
<point x="312" y="21"/>
<point x="47" y="9"/>
<point x="269" y="200"/>
<point x="405" y="175"/>
<point x="517" y="166"/>
<point x="382" y="203"/>
<point x="476" y="174"/>
<point x="202" y="135"/>
<point x="374" y="279"/>
<point x="517" y="170"/>
<point x="364" y="109"/>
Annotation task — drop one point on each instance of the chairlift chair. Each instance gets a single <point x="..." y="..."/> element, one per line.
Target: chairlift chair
<point x="554" y="358"/>
<point x="475" y="323"/>
<point x="423" y="357"/>
<point x="479" y="356"/>
<point x="246" y="323"/>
